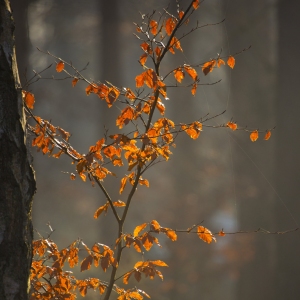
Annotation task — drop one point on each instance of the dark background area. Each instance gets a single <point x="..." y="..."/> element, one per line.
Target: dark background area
<point x="222" y="178"/>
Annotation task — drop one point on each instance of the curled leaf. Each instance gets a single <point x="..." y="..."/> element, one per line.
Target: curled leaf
<point x="267" y="135"/>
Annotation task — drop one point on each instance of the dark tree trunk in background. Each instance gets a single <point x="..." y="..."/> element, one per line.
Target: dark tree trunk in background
<point x="23" y="45"/>
<point x="17" y="184"/>
<point x="111" y="45"/>
<point x="253" y="100"/>
<point x="288" y="150"/>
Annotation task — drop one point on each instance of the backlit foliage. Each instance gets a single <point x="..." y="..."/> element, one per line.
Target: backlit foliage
<point x="151" y="141"/>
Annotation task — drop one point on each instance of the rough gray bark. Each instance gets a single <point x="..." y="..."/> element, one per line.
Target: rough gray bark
<point x="17" y="184"/>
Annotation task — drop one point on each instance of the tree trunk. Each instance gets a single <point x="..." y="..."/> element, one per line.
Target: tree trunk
<point x="17" y="184"/>
<point x="287" y="148"/>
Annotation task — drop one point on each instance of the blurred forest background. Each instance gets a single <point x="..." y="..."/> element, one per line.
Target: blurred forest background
<point x="222" y="178"/>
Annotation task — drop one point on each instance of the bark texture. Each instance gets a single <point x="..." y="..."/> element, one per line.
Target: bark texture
<point x="17" y="184"/>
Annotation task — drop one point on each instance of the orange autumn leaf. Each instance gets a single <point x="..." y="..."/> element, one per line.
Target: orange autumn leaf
<point x="170" y="25"/>
<point x="153" y="27"/>
<point x="125" y="117"/>
<point x="205" y="234"/>
<point x="208" y="66"/>
<point x="139" y="80"/>
<point x="159" y="263"/>
<point x="74" y="81"/>
<point x="138" y="229"/>
<point x="196" y="4"/>
<point x="191" y="71"/>
<point x="171" y="234"/>
<point x="231" y="62"/>
<point x="119" y="203"/>
<point x="100" y="210"/>
<point x="220" y="62"/>
<point x="150" y="78"/>
<point x="231" y="125"/>
<point x="144" y="182"/>
<point x="123" y="184"/>
<point x="178" y="74"/>
<point x="181" y="14"/>
<point x="221" y="233"/>
<point x="143" y="59"/>
<point x="175" y="43"/>
<point x="146" y="47"/>
<point x="72" y="176"/>
<point x="194" y="89"/>
<point x="130" y="94"/>
<point x="28" y="98"/>
<point x="254" y="135"/>
<point x="157" y="51"/>
<point x="60" y="66"/>
<point x="155" y="226"/>
<point x="82" y="176"/>
<point x="267" y="135"/>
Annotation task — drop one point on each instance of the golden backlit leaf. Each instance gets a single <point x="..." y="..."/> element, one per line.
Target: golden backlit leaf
<point x="112" y="96"/>
<point x="147" y="241"/>
<point x="205" y="234"/>
<point x="208" y="66"/>
<point x="233" y="126"/>
<point x="254" y="135"/>
<point x="175" y="43"/>
<point x="144" y="182"/>
<point x="123" y="184"/>
<point x="138" y="229"/>
<point x="159" y="263"/>
<point x="161" y="107"/>
<point x="155" y="226"/>
<point x="171" y="234"/>
<point x="196" y="4"/>
<point x="74" y="81"/>
<point x="267" y="135"/>
<point x="150" y="78"/>
<point x="28" y="98"/>
<point x="125" y="117"/>
<point x="82" y="176"/>
<point x="194" y="89"/>
<point x="126" y="278"/>
<point x="143" y="59"/>
<point x="153" y="27"/>
<point x="60" y="66"/>
<point x="130" y="94"/>
<point x="101" y="209"/>
<point x="139" y="80"/>
<point x="191" y="71"/>
<point x="178" y="74"/>
<point x="220" y="62"/>
<point x="119" y="203"/>
<point x="231" y="62"/>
